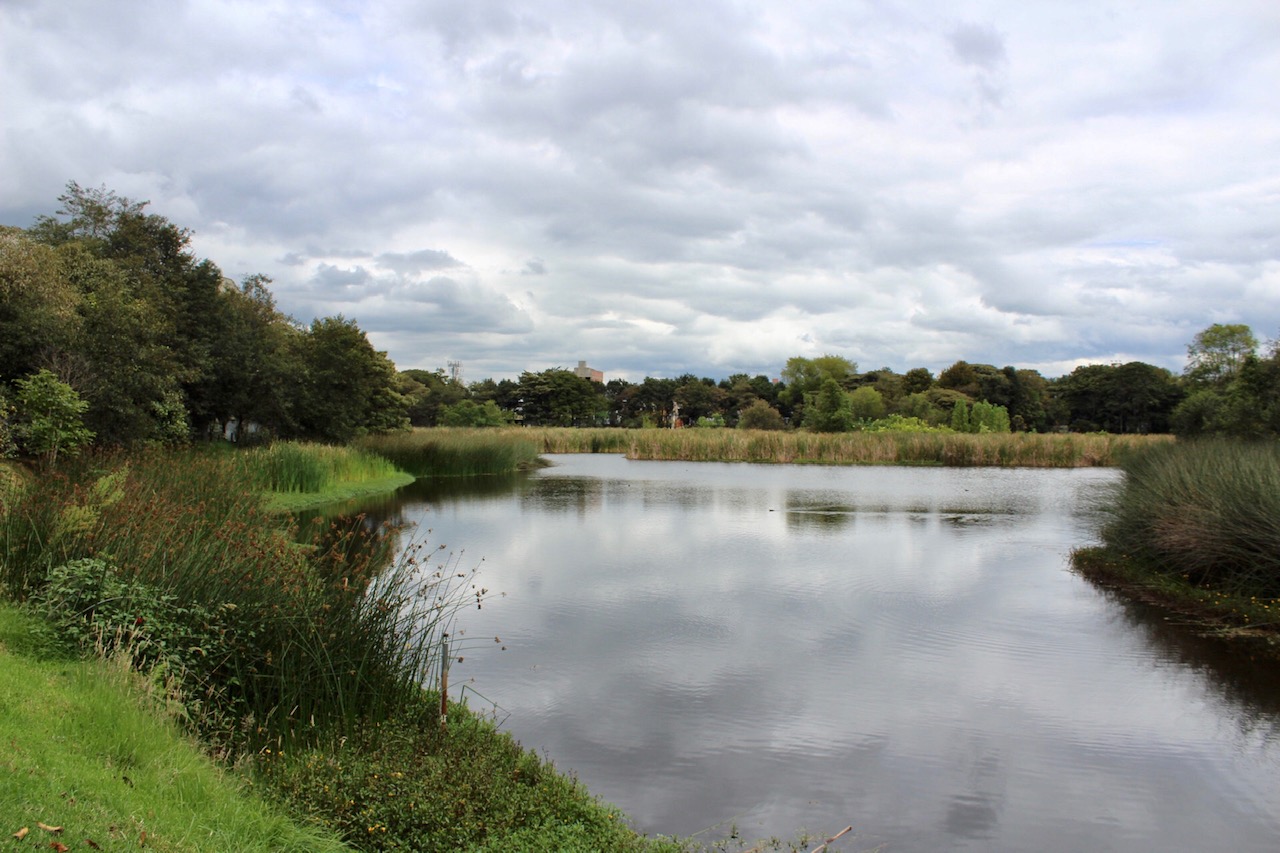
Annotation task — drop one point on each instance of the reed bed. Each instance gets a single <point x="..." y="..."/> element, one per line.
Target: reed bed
<point x="1027" y="450"/>
<point x="455" y="451"/>
<point x="1207" y="511"/>
<point x="301" y="467"/>
<point x="173" y="556"/>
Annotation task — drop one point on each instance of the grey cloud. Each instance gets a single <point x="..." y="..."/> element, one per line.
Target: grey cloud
<point x="660" y="175"/>
<point x="979" y="45"/>
<point x="419" y="261"/>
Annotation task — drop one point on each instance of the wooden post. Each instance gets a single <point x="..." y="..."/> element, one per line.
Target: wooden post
<point x="444" y="682"/>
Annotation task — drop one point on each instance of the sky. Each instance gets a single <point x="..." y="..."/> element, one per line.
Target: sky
<point x="660" y="188"/>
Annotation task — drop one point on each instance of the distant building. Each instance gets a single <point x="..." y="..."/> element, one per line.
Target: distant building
<point x="587" y="373"/>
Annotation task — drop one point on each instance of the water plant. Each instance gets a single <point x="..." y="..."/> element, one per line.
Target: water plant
<point x="266" y="640"/>
<point x="450" y="451"/>
<point x="875" y="447"/>
<point x="1208" y="511"/>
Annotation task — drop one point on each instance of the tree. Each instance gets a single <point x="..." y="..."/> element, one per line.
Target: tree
<point x="38" y="317"/>
<point x="960" y="416"/>
<point x="1216" y="354"/>
<point x="469" y="413"/>
<point x="699" y="398"/>
<point x="558" y="397"/>
<point x="350" y="388"/>
<point x="866" y="404"/>
<point x="760" y="415"/>
<point x="917" y="380"/>
<point x="830" y="409"/>
<point x="50" y="417"/>
<point x="805" y="376"/>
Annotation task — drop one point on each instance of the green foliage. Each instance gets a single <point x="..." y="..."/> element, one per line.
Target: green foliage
<point x="1128" y="398"/>
<point x="866" y="404"/>
<point x="401" y="786"/>
<point x="50" y="417"/>
<point x="901" y="423"/>
<point x="1208" y="510"/>
<point x="558" y="397"/>
<point x="988" y="417"/>
<point x="760" y="415"/>
<point x="981" y="417"/>
<point x="468" y="413"/>
<point x="1236" y="392"/>
<point x="830" y="409"/>
<point x="271" y="640"/>
<point x="1216" y="354"/>
<point x="713" y="421"/>
<point x="350" y="387"/>
<point x="455" y="452"/>
<point x="8" y="443"/>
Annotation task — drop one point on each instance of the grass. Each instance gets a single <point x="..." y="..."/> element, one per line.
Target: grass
<point x="449" y="452"/>
<point x="269" y="640"/>
<point x="1207" y="510"/>
<point x="1195" y="527"/>
<point x="87" y="750"/>
<point x="856" y="448"/>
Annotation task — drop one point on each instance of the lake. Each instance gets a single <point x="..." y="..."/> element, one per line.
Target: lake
<point x="905" y="650"/>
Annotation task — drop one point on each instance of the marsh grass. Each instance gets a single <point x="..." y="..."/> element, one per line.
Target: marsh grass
<point x="268" y="641"/>
<point x="450" y="451"/>
<point x="1208" y="511"/>
<point x="853" y="448"/>
<point x="293" y="467"/>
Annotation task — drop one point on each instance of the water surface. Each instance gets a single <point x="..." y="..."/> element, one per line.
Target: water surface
<point x="901" y="649"/>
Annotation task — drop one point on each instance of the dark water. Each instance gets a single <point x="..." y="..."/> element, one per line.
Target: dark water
<point x="900" y="649"/>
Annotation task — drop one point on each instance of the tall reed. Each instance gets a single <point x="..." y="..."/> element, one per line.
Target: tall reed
<point x="307" y="467"/>
<point x="853" y="448"/>
<point x="450" y="451"/>
<point x="290" y="640"/>
<point x="1208" y="510"/>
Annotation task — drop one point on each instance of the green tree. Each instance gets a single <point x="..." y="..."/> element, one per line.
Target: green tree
<point x="469" y="413"/>
<point x="866" y="404"/>
<point x="830" y="409"/>
<point x="699" y="398"/>
<point x="350" y="388"/>
<point x="50" y="417"/>
<point x="988" y="417"/>
<point x="558" y="397"/>
<point x="960" y="416"/>
<point x="38" y="316"/>
<point x="1215" y="355"/>
<point x="917" y="380"/>
<point x="760" y="415"/>
<point x="803" y="377"/>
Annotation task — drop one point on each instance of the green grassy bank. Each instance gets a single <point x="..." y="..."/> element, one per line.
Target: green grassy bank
<point x="853" y="448"/>
<point x="300" y="670"/>
<point x="1195" y="526"/>
<point x="90" y="753"/>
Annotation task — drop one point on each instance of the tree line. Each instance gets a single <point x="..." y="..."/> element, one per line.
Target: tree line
<point x="112" y="330"/>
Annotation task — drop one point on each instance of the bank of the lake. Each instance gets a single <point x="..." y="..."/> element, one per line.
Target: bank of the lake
<point x="92" y="758"/>
<point x="306" y="671"/>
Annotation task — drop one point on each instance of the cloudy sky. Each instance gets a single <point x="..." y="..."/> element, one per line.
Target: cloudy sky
<point x="669" y="187"/>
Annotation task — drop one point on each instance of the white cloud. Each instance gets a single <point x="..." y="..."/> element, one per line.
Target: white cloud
<point x="664" y="188"/>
